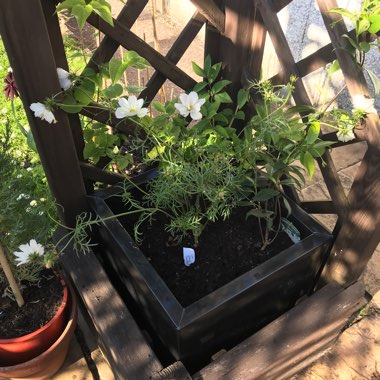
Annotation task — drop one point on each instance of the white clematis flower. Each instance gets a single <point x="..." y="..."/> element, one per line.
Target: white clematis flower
<point x="190" y="105"/>
<point x="130" y="107"/>
<point x="346" y="134"/>
<point x="364" y="104"/>
<point x="27" y="251"/>
<point x="64" y="78"/>
<point x="42" y="112"/>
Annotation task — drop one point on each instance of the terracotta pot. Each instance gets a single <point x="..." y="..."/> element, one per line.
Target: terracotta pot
<point x="45" y="365"/>
<point x="18" y="350"/>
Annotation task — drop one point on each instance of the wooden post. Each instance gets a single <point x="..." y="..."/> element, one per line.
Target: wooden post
<point x="26" y="39"/>
<point x="233" y="48"/>
<point x="359" y="234"/>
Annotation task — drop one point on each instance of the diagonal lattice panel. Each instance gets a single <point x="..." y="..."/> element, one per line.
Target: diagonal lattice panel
<point x="301" y="98"/>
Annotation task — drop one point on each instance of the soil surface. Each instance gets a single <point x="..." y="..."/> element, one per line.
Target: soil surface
<point x="42" y="301"/>
<point x="226" y="250"/>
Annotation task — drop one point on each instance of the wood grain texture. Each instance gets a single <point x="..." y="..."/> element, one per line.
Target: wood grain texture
<point x="292" y="341"/>
<point x="211" y="12"/>
<point x="359" y="233"/>
<point x="124" y="345"/>
<point x="26" y="40"/>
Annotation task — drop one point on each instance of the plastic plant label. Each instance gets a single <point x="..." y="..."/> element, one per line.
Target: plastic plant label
<point x="290" y="229"/>
<point x="188" y="256"/>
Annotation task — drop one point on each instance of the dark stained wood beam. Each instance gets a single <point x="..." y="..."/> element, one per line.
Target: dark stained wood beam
<point x="291" y="342"/>
<point x="301" y="97"/>
<point x="130" y="41"/>
<point x="359" y="234"/>
<point x="108" y="46"/>
<point x="26" y="39"/>
<point x="175" y="53"/>
<point x="212" y="13"/>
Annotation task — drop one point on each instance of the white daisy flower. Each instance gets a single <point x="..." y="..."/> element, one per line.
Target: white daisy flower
<point x="42" y="112"/>
<point x="364" y="104"/>
<point x="27" y="251"/>
<point x="64" y="78"/>
<point x="345" y="134"/>
<point x="190" y="104"/>
<point x="130" y="107"/>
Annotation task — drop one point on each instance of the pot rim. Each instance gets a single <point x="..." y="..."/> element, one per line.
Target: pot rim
<point x="31" y="335"/>
<point x="69" y="329"/>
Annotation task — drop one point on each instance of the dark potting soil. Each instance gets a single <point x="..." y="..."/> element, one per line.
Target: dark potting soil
<point x="226" y="250"/>
<point x="42" y="301"/>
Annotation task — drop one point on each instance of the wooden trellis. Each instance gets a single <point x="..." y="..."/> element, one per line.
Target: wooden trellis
<point x="235" y="35"/>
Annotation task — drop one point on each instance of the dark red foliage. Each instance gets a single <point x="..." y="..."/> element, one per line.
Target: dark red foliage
<point x="10" y="88"/>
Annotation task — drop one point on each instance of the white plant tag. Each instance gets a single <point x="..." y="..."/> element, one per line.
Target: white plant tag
<point x="290" y="229"/>
<point x="188" y="256"/>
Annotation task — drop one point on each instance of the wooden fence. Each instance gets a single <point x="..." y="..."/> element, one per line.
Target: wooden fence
<point x="235" y="35"/>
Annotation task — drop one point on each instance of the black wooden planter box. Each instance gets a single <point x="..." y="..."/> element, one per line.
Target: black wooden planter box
<point x="231" y="312"/>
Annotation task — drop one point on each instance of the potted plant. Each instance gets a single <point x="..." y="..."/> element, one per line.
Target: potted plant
<point x="217" y="165"/>
<point x="38" y="309"/>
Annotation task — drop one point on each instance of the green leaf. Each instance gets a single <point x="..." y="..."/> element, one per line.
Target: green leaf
<point x="200" y="86"/>
<point x="198" y="70"/>
<point x="375" y="81"/>
<point x="242" y="98"/>
<point x="207" y="63"/>
<point x="81" y="13"/>
<point x="123" y="161"/>
<point x="308" y="162"/>
<point x="333" y="67"/>
<point x="85" y="92"/>
<point x="155" y="152"/>
<point x="116" y="69"/>
<point x="343" y="12"/>
<point x="223" y="97"/>
<point x="135" y="89"/>
<point x="240" y="115"/>
<point x="133" y="59"/>
<point x="70" y="105"/>
<point x="159" y="107"/>
<point x="375" y="23"/>
<point x="103" y="9"/>
<point x="214" y="72"/>
<point x="313" y="132"/>
<point x="113" y="91"/>
<point x="259" y="213"/>
<point x="68" y="4"/>
<point x="365" y="46"/>
<point x="352" y="42"/>
<point x="362" y="26"/>
<point x="218" y="86"/>
<point x="264" y="195"/>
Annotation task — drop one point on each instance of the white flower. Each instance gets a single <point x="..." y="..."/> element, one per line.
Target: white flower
<point x="364" y="104"/>
<point x="42" y="112"/>
<point x="29" y="169"/>
<point x="19" y="176"/>
<point x="22" y="196"/>
<point x="130" y="107"/>
<point x="10" y="70"/>
<point x="33" y="203"/>
<point x="64" y="78"/>
<point x="190" y="105"/>
<point x="27" y="251"/>
<point x="346" y="134"/>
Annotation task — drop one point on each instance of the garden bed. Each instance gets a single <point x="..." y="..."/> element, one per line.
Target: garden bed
<point x="218" y="318"/>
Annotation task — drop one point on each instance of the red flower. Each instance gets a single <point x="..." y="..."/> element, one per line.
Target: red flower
<point x="10" y="88"/>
